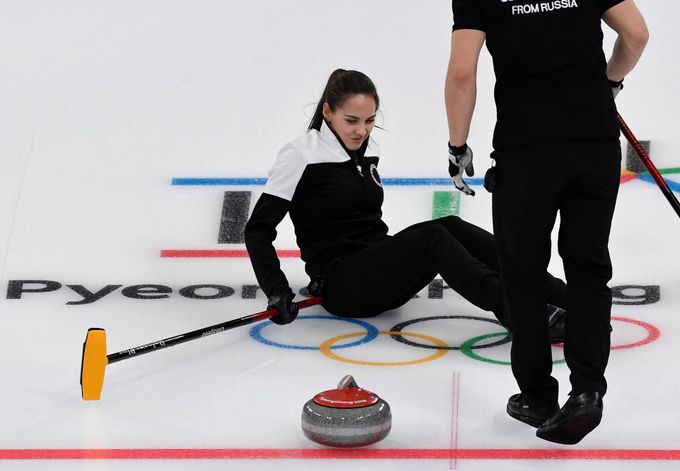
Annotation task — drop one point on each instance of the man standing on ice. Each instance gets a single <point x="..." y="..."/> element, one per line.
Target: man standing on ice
<point x="556" y="148"/>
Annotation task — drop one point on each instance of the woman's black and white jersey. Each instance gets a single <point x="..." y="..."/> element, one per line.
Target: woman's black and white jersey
<point x="334" y="197"/>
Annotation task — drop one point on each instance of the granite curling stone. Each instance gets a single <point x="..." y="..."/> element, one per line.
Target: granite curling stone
<point x="348" y="416"/>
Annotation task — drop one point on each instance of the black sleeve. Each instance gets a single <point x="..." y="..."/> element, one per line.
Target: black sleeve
<point x="607" y="4"/>
<point x="467" y="14"/>
<point x="259" y="234"/>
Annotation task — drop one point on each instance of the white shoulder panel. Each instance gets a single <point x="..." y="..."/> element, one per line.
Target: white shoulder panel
<point x="313" y="147"/>
<point x="284" y="175"/>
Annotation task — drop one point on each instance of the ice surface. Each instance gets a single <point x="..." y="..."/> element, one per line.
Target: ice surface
<point x="105" y="103"/>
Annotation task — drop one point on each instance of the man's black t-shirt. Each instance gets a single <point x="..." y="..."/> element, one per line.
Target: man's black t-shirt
<point x="551" y="83"/>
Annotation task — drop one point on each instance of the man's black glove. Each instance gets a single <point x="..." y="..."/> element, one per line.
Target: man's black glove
<point x="460" y="158"/>
<point x="282" y="299"/>
<point x="616" y="87"/>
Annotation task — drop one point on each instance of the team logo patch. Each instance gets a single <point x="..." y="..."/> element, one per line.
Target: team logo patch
<point x="373" y="170"/>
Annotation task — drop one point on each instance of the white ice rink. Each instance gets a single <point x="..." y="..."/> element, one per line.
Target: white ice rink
<point x="109" y="106"/>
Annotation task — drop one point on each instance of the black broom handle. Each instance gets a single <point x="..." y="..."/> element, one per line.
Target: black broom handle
<point x="200" y="333"/>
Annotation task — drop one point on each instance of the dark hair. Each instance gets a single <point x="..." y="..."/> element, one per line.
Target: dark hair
<point x="341" y="85"/>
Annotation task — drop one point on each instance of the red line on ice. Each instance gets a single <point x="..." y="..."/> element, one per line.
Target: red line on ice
<point x="328" y="453"/>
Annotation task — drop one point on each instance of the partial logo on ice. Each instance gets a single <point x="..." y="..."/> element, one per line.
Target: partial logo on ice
<point x="23" y="289"/>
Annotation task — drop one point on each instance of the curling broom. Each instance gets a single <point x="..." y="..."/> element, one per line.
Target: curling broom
<point x="95" y="359"/>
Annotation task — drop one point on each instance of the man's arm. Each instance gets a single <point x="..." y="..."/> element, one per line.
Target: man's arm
<point x="627" y="21"/>
<point x="460" y="92"/>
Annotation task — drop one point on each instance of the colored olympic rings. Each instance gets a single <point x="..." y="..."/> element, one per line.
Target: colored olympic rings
<point x="371" y="333"/>
<point x="328" y="344"/>
<point x="400" y="338"/>
<point x="441" y="347"/>
<point x="652" y="334"/>
<point x="468" y="345"/>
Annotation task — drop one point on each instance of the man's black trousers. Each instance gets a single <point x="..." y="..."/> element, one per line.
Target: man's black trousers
<point x="580" y="182"/>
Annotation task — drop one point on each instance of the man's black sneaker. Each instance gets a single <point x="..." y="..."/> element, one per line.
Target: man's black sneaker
<point x="577" y="418"/>
<point x="522" y="409"/>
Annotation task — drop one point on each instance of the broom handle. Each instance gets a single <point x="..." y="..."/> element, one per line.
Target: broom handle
<point x="204" y="332"/>
<point x="660" y="182"/>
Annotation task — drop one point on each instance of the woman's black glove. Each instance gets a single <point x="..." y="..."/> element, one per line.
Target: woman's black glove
<point x="282" y="299"/>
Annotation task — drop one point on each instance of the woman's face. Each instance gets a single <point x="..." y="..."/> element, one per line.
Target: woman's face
<point x="353" y="121"/>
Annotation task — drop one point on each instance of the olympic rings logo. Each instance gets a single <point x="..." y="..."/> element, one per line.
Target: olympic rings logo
<point x="469" y="348"/>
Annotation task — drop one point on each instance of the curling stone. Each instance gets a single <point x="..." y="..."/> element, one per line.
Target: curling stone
<point x="348" y="416"/>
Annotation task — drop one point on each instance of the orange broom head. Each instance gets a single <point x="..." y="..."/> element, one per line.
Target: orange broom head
<point x="93" y="364"/>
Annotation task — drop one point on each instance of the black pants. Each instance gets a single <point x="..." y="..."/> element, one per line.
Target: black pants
<point x="387" y="274"/>
<point x="581" y="183"/>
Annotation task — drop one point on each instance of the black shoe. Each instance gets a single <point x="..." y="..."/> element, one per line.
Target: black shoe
<point x="522" y="409"/>
<point x="577" y="418"/>
<point x="557" y="318"/>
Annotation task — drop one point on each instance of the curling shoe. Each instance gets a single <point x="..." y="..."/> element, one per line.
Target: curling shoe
<point x="577" y="418"/>
<point x="557" y="323"/>
<point x="557" y="318"/>
<point x="521" y="408"/>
